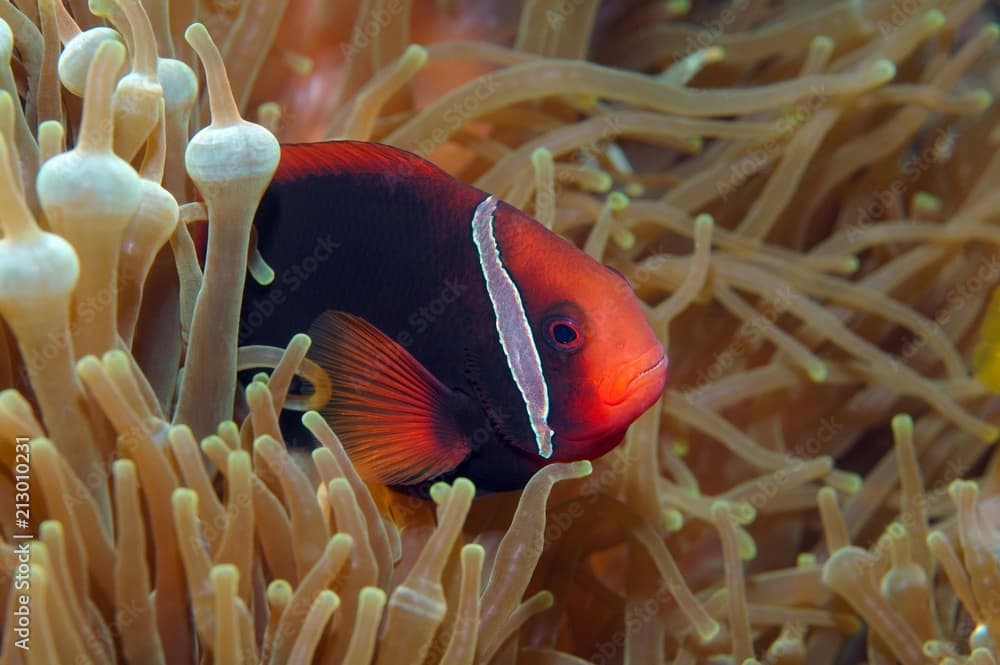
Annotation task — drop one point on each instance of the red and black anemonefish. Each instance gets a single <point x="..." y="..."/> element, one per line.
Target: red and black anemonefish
<point x="461" y="337"/>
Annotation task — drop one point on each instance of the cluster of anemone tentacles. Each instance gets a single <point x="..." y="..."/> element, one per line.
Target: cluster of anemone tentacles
<point x="804" y="195"/>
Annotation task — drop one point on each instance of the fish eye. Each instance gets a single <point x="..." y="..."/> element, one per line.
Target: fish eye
<point x="563" y="333"/>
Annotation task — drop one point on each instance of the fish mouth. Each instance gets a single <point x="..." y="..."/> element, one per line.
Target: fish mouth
<point x="646" y="368"/>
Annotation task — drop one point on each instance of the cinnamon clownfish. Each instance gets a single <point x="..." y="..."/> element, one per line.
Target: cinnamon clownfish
<point x="460" y="336"/>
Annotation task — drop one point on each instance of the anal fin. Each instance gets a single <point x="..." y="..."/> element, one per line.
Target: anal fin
<point x="397" y="421"/>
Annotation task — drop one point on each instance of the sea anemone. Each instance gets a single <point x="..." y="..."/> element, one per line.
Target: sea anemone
<point x="802" y="194"/>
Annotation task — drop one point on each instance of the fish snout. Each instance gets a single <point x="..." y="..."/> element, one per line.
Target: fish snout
<point x="646" y="370"/>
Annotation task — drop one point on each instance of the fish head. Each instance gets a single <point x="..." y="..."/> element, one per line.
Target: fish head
<point x="603" y="366"/>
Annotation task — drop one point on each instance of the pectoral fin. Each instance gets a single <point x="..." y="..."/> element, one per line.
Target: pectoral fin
<point x="396" y="420"/>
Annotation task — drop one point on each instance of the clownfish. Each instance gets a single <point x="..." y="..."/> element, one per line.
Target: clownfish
<point x="460" y="336"/>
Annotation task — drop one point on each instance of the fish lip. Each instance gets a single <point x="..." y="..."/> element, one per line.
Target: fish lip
<point x="626" y="381"/>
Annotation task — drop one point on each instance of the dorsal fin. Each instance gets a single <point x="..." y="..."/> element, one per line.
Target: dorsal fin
<point x="302" y="160"/>
<point x="325" y="158"/>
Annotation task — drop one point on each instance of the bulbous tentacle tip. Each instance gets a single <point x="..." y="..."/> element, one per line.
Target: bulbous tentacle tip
<point x="884" y="71"/>
<point x="440" y="492"/>
<point x="6" y="41"/>
<point x="465" y="486"/>
<point x="224" y="577"/>
<point x="78" y="55"/>
<point x="179" y="82"/>
<point x="902" y="424"/>
<point x="934" y="19"/>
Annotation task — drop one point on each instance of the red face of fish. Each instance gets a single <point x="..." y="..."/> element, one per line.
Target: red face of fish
<point x="602" y="364"/>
